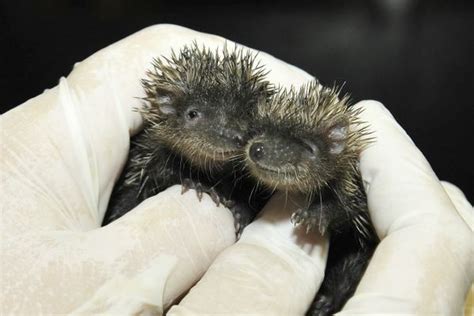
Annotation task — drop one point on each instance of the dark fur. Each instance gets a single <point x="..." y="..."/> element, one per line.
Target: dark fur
<point x="197" y="109"/>
<point x="309" y="141"/>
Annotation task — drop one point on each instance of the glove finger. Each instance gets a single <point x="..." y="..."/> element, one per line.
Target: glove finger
<point x="157" y="251"/>
<point x="274" y="268"/>
<point x="461" y="203"/>
<point x="396" y="174"/>
<point x="423" y="263"/>
<point x="466" y="211"/>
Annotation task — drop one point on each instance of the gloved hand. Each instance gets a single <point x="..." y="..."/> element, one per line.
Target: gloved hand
<point x="423" y="265"/>
<point x="61" y="154"/>
<point x="63" y="150"/>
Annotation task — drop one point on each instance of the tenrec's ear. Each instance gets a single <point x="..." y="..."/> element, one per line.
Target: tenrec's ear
<point x="337" y="136"/>
<point x="166" y="100"/>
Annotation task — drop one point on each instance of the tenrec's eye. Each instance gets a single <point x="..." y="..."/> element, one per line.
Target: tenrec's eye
<point x="310" y="146"/>
<point x="192" y="114"/>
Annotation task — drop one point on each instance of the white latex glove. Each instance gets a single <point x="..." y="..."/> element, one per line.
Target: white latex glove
<point x="62" y="152"/>
<point x="423" y="265"/>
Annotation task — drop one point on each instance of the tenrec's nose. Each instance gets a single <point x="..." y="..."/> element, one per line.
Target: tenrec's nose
<point x="256" y="151"/>
<point x="238" y="140"/>
<point x="234" y="135"/>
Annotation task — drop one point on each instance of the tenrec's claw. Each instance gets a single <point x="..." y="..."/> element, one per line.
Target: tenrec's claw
<point x="186" y="185"/>
<point x="296" y="217"/>
<point x="214" y="196"/>
<point x="199" y="191"/>
<point x="237" y="226"/>
<point x="229" y="204"/>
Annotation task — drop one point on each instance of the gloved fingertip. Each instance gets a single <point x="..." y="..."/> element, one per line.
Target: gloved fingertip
<point x="272" y="269"/>
<point x="372" y="107"/>
<point x="462" y="205"/>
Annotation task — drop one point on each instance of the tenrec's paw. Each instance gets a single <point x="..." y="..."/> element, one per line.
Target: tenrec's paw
<point x="311" y="220"/>
<point x="200" y="190"/>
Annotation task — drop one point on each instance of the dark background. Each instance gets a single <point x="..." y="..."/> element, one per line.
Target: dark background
<point x="417" y="57"/>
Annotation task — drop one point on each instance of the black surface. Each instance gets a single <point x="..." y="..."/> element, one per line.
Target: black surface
<point x="415" y="57"/>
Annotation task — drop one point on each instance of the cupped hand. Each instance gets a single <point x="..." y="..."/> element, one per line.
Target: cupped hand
<point x="63" y="151"/>
<point x="423" y="264"/>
